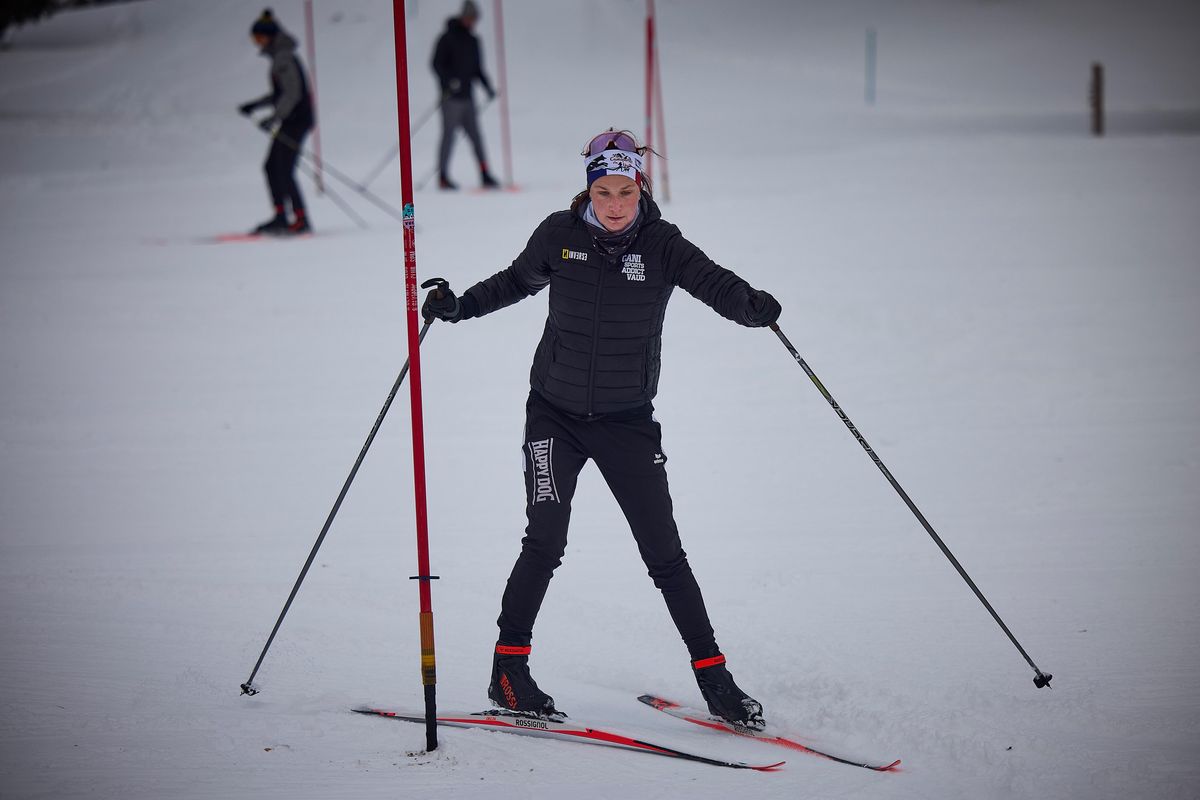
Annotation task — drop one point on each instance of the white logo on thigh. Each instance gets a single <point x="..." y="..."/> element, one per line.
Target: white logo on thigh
<point x="544" y="488"/>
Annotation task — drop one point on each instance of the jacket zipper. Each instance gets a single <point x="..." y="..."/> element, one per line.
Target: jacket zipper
<point x="595" y="334"/>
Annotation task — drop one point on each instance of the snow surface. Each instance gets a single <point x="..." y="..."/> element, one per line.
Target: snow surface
<point x="1005" y="306"/>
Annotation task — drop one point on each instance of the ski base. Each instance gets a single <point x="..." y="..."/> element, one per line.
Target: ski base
<point x="225" y="238"/>
<point x="707" y="721"/>
<point x="563" y="730"/>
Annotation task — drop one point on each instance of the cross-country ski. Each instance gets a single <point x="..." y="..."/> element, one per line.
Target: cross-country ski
<point x="562" y="730"/>
<point x="706" y="720"/>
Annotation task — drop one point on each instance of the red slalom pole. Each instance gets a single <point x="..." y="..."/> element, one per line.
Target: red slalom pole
<point x="649" y="85"/>
<point x="428" y="662"/>
<point x="311" y="52"/>
<point x="662" y="120"/>
<point x="505" y="138"/>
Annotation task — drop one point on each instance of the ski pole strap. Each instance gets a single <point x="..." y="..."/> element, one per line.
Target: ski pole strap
<point x="512" y="650"/>
<point x="709" y="662"/>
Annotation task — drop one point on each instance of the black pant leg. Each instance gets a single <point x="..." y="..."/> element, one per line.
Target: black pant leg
<point x="553" y="460"/>
<point x="631" y="459"/>
<point x="280" y="167"/>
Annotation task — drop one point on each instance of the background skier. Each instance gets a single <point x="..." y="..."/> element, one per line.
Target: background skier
<point x="611" y="263"/>
<point x="290" y="121"/>
<point x="458" y="63"/>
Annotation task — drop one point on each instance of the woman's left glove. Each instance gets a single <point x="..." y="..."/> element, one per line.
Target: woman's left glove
<point x="762" y="310"/>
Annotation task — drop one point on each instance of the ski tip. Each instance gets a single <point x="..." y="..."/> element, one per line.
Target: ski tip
<point x="379" y="712"/>
<point x="892" y="767"/>
<point x="237" y="237"/>
<point x="657" y="702"/>
<point x="230" y="238"/>
<point x="768" y="767"/>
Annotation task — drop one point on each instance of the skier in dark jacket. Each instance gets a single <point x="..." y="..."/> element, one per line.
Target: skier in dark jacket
<point x="290" y="121"/>
<point x="611" y="263"/>
<point x="458" y="63"/>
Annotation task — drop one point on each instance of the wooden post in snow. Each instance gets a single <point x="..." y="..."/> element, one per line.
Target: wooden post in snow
<point x="1096" y="97"/>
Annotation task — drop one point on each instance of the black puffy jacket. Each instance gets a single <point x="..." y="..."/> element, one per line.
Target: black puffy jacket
<point x="457" y="61"/>
<point x="600" y="350"/>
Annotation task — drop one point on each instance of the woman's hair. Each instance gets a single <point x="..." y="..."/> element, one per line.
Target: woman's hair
<point x="644" y="184"/>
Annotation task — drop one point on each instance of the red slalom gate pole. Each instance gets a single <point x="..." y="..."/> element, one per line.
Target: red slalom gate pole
<point x="662" y="120"/>
<point x="311" y="51"/>
<point x="649" y="85"/>
<point x="505" y="138"/>
<point x="428" y="662"/>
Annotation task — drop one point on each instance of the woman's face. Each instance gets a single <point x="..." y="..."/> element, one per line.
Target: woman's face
<point x="615" y="201"/>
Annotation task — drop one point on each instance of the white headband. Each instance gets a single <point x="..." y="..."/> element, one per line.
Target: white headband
<point x="625" y="163"/>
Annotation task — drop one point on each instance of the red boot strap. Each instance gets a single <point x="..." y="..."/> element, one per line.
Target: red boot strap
<point x="709" y="662"/>
<point x="510" y="650"/>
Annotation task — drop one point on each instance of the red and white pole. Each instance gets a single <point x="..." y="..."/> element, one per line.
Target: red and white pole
<point x="311" y="52"/>
<point x="502" y="87"/>
<point x="428" y="662"/>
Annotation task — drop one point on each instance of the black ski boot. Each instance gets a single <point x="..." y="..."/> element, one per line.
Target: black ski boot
<point x="487" y="181"/>
<point x="724" y="698"/>
<point x="513" y="688"/>
<point x="275" y="226"/>
<point x="445" y="184"/>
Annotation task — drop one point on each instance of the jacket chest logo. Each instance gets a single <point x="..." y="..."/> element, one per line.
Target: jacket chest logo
<point x="574" y="255"/>
<point x="632" y="267"/>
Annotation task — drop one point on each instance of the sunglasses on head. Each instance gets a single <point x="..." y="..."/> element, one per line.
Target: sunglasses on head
<point x="611" y="140"/>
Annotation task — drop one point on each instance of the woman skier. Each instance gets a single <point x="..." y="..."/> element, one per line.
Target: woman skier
<point x="611" y="262"/>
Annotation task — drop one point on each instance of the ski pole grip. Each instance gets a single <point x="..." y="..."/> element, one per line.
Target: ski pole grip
<point x="439" y="286"/>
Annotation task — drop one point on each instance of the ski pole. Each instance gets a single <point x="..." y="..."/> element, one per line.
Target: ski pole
<point x="292" y="143"/>
<point x="337" y="200"/>
<point x="395" y="149"/>
<point x="248" y="686"/>
<point x="1041" y="678"/>
<point x="428" y="177"/>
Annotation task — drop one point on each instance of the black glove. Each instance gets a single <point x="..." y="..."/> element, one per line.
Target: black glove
<point x="267" y="125"/>
<point x="441" y="304"/>
<point x="245" y="108"/>
<point x="762" y="310"/>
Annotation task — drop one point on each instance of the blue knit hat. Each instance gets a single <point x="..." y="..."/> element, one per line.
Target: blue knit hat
<point x="265" y="25"/>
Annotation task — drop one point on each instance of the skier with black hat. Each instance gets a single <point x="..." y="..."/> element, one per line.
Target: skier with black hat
<point x="611" y="262"/>
<point x="290" y="121"/>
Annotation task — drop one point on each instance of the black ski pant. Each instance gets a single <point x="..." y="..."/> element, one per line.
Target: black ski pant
<point x="280" y="167"/>
<point x="628" y="451"/>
